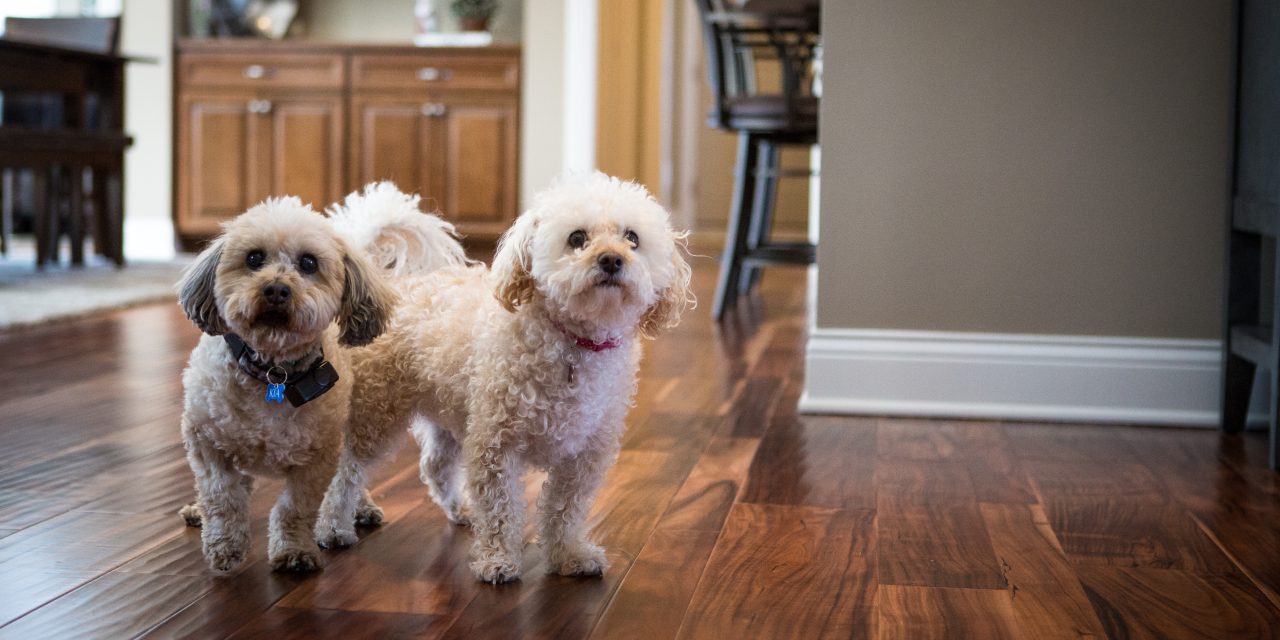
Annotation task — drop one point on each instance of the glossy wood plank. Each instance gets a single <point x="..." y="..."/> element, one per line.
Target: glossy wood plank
<point x="788" y="571"/>
<point x="923" y="613"/>
<point x="23" y="591"/>
<point x="653" y="597"/>
<point x="1134" y="533"/>
<point x="1156" y="603"/>
<point x="703" y="501"/>
<point x="116" y="605"/>
<point x="284" y="623"/>
<point x="936" y="546"/>
<point x="815" y="461"/>
<point x="1046" y="596"/>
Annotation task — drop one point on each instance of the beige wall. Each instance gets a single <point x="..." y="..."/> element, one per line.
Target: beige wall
<point x="1038" y="167"/>
<point x="392" y="20"/>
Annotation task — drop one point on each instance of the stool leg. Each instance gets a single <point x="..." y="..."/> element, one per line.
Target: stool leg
<point x="1236" y="391"/>
<point x="77" y="216"/>
<point x="761" y="210"/>
<point x="1243" y="293"/>
<point x="735" y="240"/>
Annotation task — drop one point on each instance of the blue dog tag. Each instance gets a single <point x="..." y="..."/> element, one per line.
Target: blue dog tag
<point x="275" y="392"/>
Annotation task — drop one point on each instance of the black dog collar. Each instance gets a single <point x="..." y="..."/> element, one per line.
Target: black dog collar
<point x="285" y="380"/>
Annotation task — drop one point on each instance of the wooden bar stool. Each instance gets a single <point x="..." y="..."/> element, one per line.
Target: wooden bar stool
<point x="1251" y="332"/>
<point x="736" y="40"/>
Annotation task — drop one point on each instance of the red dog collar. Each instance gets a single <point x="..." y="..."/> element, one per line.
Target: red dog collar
<point x="587" y="343"/>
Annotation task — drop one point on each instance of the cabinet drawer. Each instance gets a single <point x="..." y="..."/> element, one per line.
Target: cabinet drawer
<point x="433" y="72"/>
<point x="273" y="70"/>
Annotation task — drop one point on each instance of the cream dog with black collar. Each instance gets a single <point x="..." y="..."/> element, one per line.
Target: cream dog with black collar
<point x="267" y="293"/>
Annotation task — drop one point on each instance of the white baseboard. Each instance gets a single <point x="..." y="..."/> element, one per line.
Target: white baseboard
<point x="1017" y="377"/>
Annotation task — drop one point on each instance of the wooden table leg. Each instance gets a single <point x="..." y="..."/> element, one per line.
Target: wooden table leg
<point x="77" y="216"/>
<point x="40" y="201"/>
<point x="6" y="209"/>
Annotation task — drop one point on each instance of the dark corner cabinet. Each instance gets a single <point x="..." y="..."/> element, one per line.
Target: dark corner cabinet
<point x="258" y="118"/>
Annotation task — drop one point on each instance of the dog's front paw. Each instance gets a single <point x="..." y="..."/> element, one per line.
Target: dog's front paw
<point x="496" y="569"/>
<point x="225" y="554"/>
<point x="458" y="515"/>
<point x="331" y="537"/>
<point x="191" y="513"/>
<point x="295" y="560"/>
<point x="369" y="515"/>
<point x="584" y="559"/>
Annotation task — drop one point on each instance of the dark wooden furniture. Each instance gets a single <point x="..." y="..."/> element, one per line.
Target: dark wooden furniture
<point x="738" y="42"/>
<point x="80" y="132"/>
<point x="1251" y="332"/>
<point x="257" y="118"/>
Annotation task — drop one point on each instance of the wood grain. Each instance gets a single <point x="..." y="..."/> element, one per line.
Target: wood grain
<point x="787" y="571"/>
<point x="815" y="461"/>
<point x="1132" y="533"/>
<point x="923" y="613"/>
<point x="1156" y="603"/>
<point x="1047" y="599"/>
<point x="653" y="597"/>
<point x="936" y="546"/>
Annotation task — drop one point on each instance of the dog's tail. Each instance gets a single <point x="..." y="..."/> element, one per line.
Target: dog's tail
<point x="398" y="237"/>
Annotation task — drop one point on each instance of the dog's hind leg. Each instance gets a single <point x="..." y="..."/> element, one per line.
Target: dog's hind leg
<point x="292" y="545"/>
<point x="347" y="499"/>
<point x="440" y="467"/>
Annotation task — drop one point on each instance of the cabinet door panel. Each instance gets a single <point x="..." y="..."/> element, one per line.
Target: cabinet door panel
<point x="479" y="163"/>
<point x="387" y="141"/>
<point x="214" y="161"/>
<point x="306" y="150"/>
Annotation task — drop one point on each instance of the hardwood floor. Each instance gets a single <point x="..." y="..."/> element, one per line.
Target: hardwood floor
<point x="726" y="516"/>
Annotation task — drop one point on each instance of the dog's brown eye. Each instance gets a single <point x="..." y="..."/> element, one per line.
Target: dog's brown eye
<point x="255" y="259"/>
<point x="633" y="238"/>
<point x="577" y="239"/>
<point x="308" y="263"/>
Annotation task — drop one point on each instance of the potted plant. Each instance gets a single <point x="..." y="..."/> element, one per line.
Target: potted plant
<point x="474" y="15"/>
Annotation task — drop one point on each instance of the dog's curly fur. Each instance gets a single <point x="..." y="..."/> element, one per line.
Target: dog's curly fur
<point x="485" y="367"/>
<point x="230" y="431"/>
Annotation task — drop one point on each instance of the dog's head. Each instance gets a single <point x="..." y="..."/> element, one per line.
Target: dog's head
<point x="278" y="276"/>
<point x="599" y="250"/>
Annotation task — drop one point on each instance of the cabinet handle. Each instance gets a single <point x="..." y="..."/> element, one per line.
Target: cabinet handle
<point x="430" y="74"/>
<point x="255" y="72"/>
<point x="434" y="109"/>
<point x="259" y="106"/>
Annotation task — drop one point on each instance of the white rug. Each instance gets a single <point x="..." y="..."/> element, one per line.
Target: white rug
<point x="30" y="297"/>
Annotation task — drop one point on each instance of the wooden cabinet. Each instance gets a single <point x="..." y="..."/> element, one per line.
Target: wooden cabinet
<point x="237" y="148"/>
<point x="319" y="122"/>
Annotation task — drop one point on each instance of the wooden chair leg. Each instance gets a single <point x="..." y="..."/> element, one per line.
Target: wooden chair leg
<point x="115" y="214"/>
<point x="762" y="209"/>
<point x="76" y="230"/>
<point x="41" y="215"/>
<point x="735" y="240"/>
<point x="6" y="209"/>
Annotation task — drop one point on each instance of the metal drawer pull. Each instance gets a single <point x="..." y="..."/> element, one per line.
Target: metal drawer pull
<point x="259" y="106"/>
<point x="255" y="71"/>
<point x="429" y="74"/>
<point x="434" y="110"/>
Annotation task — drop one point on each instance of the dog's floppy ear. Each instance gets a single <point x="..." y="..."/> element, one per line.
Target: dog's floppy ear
<point x="512" y="262"/>
<point x="367" y="302"/>
<point x="196" y="290"/>
<point x="676" y="298"/>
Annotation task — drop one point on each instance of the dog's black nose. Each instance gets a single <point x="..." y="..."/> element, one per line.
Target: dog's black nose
<point x="610" y="263"/>
<point x="276" y="294"/>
